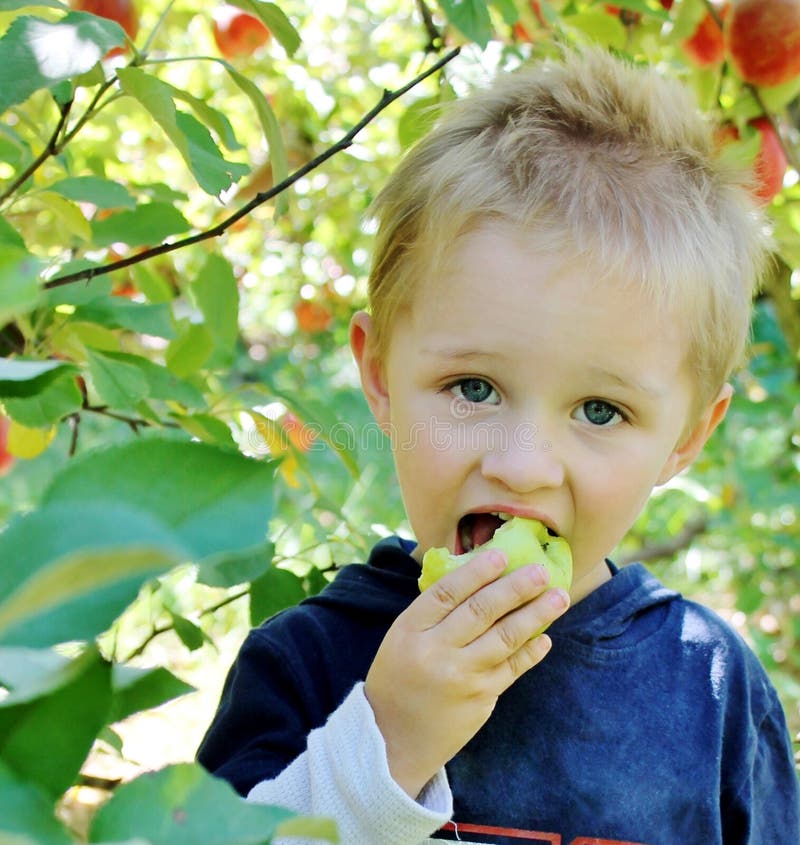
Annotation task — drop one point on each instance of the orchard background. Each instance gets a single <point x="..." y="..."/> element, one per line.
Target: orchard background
<point x="184" y="191"/>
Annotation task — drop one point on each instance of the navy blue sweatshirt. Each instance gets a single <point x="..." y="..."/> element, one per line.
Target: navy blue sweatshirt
<point x="649" y="723"/>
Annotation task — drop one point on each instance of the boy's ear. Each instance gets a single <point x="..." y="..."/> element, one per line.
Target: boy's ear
<point x="692" y="443"/>
<point x="373" y="380"/>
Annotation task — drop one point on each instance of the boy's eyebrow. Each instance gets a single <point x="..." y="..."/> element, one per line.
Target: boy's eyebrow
<point x="628" y="382"/>
<point x="456" y="353"/>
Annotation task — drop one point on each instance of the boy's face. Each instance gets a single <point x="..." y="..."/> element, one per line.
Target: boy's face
<point x="515" y="385"/>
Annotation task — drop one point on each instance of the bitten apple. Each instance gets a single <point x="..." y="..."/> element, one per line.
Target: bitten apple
<point x="762" y="38"/>
<point x="523" y="540"/>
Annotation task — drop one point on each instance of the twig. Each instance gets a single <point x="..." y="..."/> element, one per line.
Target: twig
<point x="51" y="148"/>
<point x="387" y="99"/>
<point x="668" y="548"/>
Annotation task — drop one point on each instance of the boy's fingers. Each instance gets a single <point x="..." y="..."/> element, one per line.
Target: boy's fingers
<point x="510" y="637"/>
<point x="489" y="611"/>
<point x="452" y="590"/>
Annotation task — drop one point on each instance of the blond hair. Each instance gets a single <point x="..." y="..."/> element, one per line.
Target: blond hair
<point x="595" y="160"/>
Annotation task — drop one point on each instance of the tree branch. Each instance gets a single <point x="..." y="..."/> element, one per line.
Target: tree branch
<point x="668" y="548"/>
<point x="387" y="99"/>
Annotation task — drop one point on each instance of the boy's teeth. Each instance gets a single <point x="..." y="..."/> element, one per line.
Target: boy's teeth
<point x="504" y="516"/>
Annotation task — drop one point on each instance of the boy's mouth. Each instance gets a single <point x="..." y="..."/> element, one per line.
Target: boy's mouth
<point x="474" y="529"/>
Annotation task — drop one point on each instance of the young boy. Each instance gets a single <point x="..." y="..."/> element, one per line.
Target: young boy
<point x="561" y="287"/>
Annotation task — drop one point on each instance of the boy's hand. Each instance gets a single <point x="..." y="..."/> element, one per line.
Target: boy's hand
<point x="445" y="661"/>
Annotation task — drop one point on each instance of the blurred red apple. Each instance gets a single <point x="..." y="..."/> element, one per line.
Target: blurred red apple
<point x="6" y="460"/>
<point x="312" y="316"/>
<point x="770" y="165"/>
<point x="237" y="33"/>
<point x="122" y="11"/>
<point x="706" y="46"/>
<point x="762" y="38"/>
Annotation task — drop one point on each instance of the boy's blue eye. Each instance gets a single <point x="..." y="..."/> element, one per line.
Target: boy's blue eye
<point x="473" y="390"/>
<point x="600" y="413"/>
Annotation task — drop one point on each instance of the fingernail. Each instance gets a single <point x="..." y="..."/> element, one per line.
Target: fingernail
<point x="558" y="598"/>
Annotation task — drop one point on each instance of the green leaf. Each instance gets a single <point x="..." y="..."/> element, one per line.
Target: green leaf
<point x="72" y="568"/>
<point x="104" y="193"/>
<point x="192" y="140"/>
<point x="26" y="813"/>
<point x="215" y="500"/>
<point x="118" y="383"/>
<point x="136" y="689"/>
<point x="214" y="173"/>
<point x="9" y="236"/>
<point x="35" y="53"/>
<point x="211" y="117"/>
<point x="206" y="428"/>
<point x="146" y="225"/>
<point x="189" y="634"/>
<point x="272" y="133"/>
<point x="190" y="350"/>
<point x="161" y="382"/>
<point x="57" y="400"/>
<point x="33" y="741"/>
<point x="507" y="9"/>
<point x="27" y="378"/>
<point x="417" y="120"/>
<point x="217" y="295"/>
<point x="121" y="313"/>
<point x="601" y="27"/>
<point x="231" y="570"/>
<point x="13" y="5"/>
<point x="183" y="805"/>
<point x="30" y="673"/>
<point x="471" y="17"/>
<point x="19" y="281"/>
<point x="275" y="20"/>
<point x="275" y="590"/>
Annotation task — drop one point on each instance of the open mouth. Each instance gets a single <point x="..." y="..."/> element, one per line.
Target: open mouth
<point x="474" y="529"/>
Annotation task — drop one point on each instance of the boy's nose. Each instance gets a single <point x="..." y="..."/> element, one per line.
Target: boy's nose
<point x="523" y="464"/>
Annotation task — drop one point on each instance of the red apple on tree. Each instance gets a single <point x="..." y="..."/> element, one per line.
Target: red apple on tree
<point x="237" y="33"/>
<point x="6" y="459"/>
<point x="706" y="46"/>
<point x="762" y="38"/>
<point x="770" y="164"/>
<point x="124" y="12"/>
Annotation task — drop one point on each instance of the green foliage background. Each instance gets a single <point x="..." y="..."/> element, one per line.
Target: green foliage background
<point x="192" y="451"/>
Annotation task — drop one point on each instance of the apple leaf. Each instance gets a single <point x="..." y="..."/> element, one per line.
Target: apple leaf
<point x="271" y="129"/>
<point x="148" y="224"/>
<point x="71" y="569"/>
<point x="190" y="350"/>
<point x="183" y="805"/>
<point x="217" y="295"/>
<point x="33" y="741"/>
<point x="192" y="140"/>
<point x="136" y="689"/>
<point x="120" y="313"/>
<point x="215" y="500"/>
<point x="27" y="378"/>
<point x="471" y="17"/>
<point x="56" y="400"/>
<point x="273" y="591"/>
<point x="103" y="193"/>
<point x="26" y="814"/>
<point x="118" y="383"/>
<point x="19" y="280"/>
<point x="236" y="569"/>
<point x="36" y="53"/>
